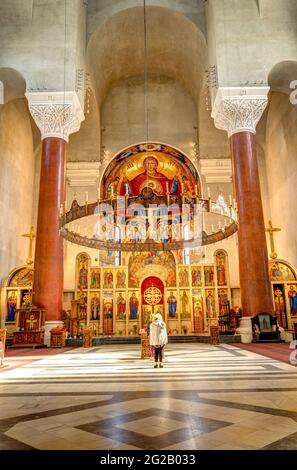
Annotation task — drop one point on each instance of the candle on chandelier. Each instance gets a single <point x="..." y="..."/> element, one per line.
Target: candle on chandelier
<point x="87" y="197"/>
<point x="225" y="222"/>
<point x="220" y="225"/>
<point x="196" y="190"/>
<point x="167" y="187"/>
<point x="98" y="194"/>
<point x="112" y="190"/>
<point x="230" y="200"/>
<point x="208" y="192"/>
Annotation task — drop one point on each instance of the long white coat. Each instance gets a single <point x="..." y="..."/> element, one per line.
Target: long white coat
<point x="158" y="333"/>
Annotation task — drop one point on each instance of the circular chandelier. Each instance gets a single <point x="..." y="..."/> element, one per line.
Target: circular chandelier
<point x="148" y="222"/>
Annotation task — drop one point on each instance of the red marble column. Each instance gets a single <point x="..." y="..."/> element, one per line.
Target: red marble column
<point x="255" y="285"/>
<point x="48" y="265"/>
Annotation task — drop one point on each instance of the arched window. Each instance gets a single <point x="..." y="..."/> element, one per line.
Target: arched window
<point x="118" y="254"/>
<point x="1" y="92"/>
<point x="186" y="236"/>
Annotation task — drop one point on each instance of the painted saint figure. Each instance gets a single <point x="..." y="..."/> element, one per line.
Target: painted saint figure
<point x="185" y="305"/>
<point x="83" y="277"/>
<point x="188" y="188"/>
<point x="151" y="178"/>
<point x="83" y="306"/>
<point x="223" y="300"/>
<point x="108" y="279"/>
<point x="12" y="302"/>
<point x="113" y="187"/>
<point x="280" y="308"/>
<point x="172" y="305"/>
<point x="210" y="305"/>
<point x="184" y="277"/>
<point x="121" y="279"/>
<point x="95" y="307"/>
<point x="95" y="279"/>
<point x="196" y="277"/>
<point x="208" y="276"/>
<point x="121" y="307"/>
<point x="221" y="274"/>
<point x="107" y="309"/>
<point x="134" y="302"/>
<point x="198" y="315"/>
<point x="292" y="294"/>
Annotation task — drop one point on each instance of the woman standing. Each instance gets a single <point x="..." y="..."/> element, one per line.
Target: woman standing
<point x="158" y="338"/>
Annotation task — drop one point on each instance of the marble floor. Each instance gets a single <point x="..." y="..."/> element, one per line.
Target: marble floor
<point x="205" y="397"/>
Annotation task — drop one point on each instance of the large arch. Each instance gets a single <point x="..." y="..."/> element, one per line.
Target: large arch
<point x="13" y="85"/>
<point x="115" y="52"/>
<point x="98" y="12"/>
<point x="178" y="52"/>
<point x="281" y="76"/>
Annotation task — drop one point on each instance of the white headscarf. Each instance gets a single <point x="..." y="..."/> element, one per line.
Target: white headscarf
<point x="158" y="333"/>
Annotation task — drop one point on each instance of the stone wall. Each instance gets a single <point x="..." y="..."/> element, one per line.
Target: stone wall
<point x="171" y="117"/>
<point x="281" y="166"/>
<point x="17" y="165"/>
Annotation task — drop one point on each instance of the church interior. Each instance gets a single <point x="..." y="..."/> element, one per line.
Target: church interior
<point x="147" y="153"/>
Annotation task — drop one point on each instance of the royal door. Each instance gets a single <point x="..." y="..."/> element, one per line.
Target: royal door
<point x="152" y="294"/>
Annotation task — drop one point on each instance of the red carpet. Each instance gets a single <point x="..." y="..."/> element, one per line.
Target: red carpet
<point x="278" y="351"/>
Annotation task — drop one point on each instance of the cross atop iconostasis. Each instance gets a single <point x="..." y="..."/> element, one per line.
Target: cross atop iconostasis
<point x="31" y="235"/>
<point x="271" y="230"/>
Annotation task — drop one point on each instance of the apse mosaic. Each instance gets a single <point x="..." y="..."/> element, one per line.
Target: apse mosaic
<point x="155" y="166"/>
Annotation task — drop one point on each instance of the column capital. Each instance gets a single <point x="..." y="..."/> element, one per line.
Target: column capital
<point x="56" y="114"/>
<point x="239" y="109"/>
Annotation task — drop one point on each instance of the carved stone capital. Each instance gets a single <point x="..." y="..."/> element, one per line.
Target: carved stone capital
<point x="57" y="114"/>
<point x="239" y="109"/>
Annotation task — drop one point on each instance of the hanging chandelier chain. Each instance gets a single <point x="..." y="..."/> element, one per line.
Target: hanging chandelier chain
<point x="145" y="73"/>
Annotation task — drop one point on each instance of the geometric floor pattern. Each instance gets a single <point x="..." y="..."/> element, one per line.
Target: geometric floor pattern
<point x="205" y="397"/>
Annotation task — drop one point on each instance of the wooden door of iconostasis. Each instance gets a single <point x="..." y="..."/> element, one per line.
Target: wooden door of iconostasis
<point x="152" y="295"/>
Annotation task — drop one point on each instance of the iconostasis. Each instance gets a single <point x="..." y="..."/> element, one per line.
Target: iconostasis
<point x="120" y="300"/>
